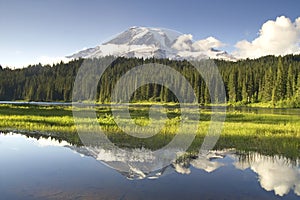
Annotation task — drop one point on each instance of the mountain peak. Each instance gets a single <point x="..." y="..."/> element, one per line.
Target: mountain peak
<point x="156" y="42"/>
<point x="144" y="36"/>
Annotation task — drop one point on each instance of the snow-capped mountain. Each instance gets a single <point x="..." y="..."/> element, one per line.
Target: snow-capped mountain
<point x="156" y="42"/>
<point x="143" y="163"/>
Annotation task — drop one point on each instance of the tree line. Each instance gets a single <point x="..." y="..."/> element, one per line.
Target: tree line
<point x="269" y="79"/>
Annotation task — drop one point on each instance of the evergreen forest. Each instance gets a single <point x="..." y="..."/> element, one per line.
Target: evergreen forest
<point x="269" y="80"/>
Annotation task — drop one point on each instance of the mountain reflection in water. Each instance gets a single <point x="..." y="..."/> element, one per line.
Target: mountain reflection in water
<point x="274" y="173"/>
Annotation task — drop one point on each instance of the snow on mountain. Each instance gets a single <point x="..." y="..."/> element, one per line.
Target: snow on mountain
<point x="141" y="163"/>
<point x="156" y="42"/>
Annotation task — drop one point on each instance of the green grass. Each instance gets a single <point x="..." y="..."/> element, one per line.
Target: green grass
<point x="288" y="103"/>
<point x="265" y="133"/>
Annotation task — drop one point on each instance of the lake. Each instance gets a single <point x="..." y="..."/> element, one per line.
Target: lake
<point x="245" y="109"/>
<point x="44" y="167"/>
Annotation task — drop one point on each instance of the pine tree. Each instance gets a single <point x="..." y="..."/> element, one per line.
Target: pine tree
<point x="268" y="86"/>
<point x="244" y="92"/>
<point x="290" y="82"/>
<point x="207" y="98"/>
<point x="232" y="87"/>
<point x="297" y="93"/>
<point x="279" y="90"/>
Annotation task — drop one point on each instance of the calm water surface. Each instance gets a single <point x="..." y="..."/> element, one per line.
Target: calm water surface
<point x="46" y="168"/>
<point x="244" y="109"/>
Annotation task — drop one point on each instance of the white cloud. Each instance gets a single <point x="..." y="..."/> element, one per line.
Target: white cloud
<point x="181" y="169"/>
<point x="277" y="176"/>
<point x="279" y="37"/>
<point x="183" y="42"/>
<point x="41" y="59"/>
<point x="51" y="60"/>
<point x="45" y="142"/>
<point x="206" y="164"/>
<point x="275" y="173"/>
<point x="206" y="44"/>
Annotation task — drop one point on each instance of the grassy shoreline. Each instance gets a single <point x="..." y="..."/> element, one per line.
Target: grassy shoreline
<point x="280" y="105"/>
<point x="265" y="133"/>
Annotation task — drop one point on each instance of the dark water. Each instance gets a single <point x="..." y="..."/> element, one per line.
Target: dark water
<point x="37" y="103"/>
<point x="46" y="168"/>
<point x="244" y="109"/>
<point x="276" y="111"/>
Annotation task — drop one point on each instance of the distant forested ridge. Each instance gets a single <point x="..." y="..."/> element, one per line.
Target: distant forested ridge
<point x="270" y="79"/>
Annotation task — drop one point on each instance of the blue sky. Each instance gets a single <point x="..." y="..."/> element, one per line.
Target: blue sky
<point x="31" y="29"/>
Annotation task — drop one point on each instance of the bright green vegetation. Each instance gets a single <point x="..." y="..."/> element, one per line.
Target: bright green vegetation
<point x="268" y="81"/>
<point x="264" y="133"/>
